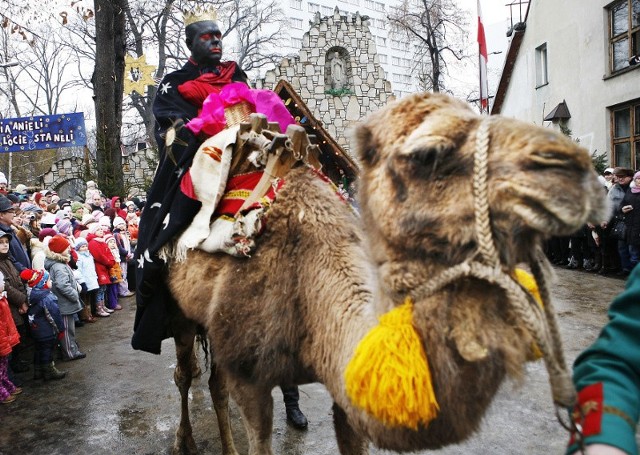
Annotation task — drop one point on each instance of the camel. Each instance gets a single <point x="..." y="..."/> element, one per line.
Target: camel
<point x="450" y="203"/>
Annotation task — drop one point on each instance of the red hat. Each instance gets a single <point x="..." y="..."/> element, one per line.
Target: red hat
<point x="35" y="278"/>
<point x="58" y="244"/>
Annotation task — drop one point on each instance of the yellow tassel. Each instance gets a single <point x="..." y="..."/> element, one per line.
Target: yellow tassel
<point x="528" y="282"/>
<point x="389" y="375"/>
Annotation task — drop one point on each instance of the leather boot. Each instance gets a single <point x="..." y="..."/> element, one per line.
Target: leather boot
<point x="294" y="415"/>
<point x="50" y="371"/>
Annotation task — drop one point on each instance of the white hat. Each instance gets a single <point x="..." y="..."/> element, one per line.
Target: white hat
<point x="117" y="221"/>
<point x="3" y="179"/>
<point x="609" y="170"/>
<point x="21" y="189"/>
<point x="105" y="221"/>
<point x="48" y="218"/>
<point x="87" y="219"/>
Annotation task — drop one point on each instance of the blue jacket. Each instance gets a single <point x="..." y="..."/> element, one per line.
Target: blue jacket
<point x="87" y="268"/>
<point x="41" y="327"/>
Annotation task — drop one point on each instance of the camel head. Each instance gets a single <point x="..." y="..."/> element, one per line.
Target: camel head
<point x="417" y="193"/>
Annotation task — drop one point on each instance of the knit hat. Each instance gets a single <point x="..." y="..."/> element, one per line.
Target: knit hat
<point x="64" y="226"/>
<point x="80" y="242"/>
<point x="117" y="221"/>
<point x="108" y="237"/>
<point x="21" y="189"/>
<point x="105" y="221"/>
<point x="93" y="227"/>
<point x="58" y="244"/>
<point x="46" y="232"/>
<point x="3" y="179"/>
<point x="87" y="219"/>
<point x="97" y="214"/>
<point x="36" y="279"/>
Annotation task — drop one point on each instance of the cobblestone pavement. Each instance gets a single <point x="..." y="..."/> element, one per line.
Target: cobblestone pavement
<point x="121" y="401"/>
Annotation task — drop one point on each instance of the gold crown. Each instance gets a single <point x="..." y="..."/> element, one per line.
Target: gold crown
<point x="200" y="15"/>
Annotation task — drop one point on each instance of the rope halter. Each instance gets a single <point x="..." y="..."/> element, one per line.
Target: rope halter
<point x="485" y="265"/>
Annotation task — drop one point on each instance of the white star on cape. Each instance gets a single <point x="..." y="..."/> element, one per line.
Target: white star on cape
<point x="164" y="88"/>
<point x="165" y="222"/>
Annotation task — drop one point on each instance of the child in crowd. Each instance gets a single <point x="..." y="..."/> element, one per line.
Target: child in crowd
<point x="45" y="323"/>
<point x="65" y="288"/>
<point x="115" y="275"/>
<point x="104" y="261"/>
<point x="121" y="235"/>
<point x="87" y="268"/>
<point x="8" y="339"/>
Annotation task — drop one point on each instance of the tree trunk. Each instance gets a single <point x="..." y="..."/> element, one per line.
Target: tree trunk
<point x="108" y="88"/>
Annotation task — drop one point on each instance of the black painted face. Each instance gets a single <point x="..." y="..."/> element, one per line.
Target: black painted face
<point x="204" y="40"/>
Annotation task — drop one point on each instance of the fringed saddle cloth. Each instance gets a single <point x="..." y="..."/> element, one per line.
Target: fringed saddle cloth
<point x="234" y="208"/>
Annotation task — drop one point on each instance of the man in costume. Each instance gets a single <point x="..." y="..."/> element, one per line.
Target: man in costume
<point x="171" y="203"/>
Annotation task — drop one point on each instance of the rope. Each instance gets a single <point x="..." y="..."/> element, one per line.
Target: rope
<point x="541" y="324"/>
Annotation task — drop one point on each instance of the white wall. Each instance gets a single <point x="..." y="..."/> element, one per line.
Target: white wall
<point x="576" y="35"/>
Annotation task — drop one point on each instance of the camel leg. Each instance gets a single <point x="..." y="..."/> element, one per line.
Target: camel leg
<point x="256" y="406"/>
<point x="184" y="339"/>
<point x="220" y="397"/>
<point x="349" y="442"/>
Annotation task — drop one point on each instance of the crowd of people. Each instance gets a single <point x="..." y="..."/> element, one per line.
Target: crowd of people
<point x="63" y="264"/>
<point x="611" y="247"/>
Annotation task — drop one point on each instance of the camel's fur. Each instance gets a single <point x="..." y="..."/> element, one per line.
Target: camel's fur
<point x="295" y="311"/>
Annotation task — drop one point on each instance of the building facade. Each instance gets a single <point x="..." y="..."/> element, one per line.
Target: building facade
<point x="336" y="73"/>
<point x="394" y="53"/>
<point x="576" y="64"/>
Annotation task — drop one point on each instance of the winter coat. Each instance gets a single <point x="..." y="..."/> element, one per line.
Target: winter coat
<point x="17" y="252"/>
<point x="8" y="333"/>
<point x="87" y="268"/>
<point x="102" y="257"/>
<point x="65" y="286"/>
<point x="37" y="254"/>
<point x="632" y="218"/>
<point x="13" y="286"/>
<point x="43" y="326"/>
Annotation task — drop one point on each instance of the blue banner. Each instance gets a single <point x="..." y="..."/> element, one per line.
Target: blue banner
<point x="43" y="132"/>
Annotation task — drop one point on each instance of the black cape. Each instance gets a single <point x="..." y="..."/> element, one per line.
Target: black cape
<point x="167" y="210"/>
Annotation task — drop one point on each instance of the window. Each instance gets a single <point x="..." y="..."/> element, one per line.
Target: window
<point x="397" y="77"/>
<point x="624" y="33"/>
<point x="369" y="4"/>
<point x="380" y="41"/>
<point x="395" y="61"/>
<point x="542" y="77"/>
<point x="296" y="23"/>
<point x="625" y="134"/>
<point x="296" y="43"/>
<point x="327" y="11"/>
<point x="383" y="58"/>
<point x="295" y="4"/>
<point x="314" y="8"/>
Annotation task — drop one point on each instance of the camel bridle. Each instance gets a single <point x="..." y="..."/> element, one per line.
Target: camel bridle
<point x="485" y="265"/>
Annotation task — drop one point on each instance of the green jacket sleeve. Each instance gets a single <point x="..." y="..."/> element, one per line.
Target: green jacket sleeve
<point x="607" y="376"/>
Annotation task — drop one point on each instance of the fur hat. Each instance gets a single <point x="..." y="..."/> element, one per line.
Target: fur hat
<point x="80" y="242"/>
<point x="35" y="278"/>
<point x="58" y="244"/>
<point x="117" y="221"/>
<point x="46" y="232"/>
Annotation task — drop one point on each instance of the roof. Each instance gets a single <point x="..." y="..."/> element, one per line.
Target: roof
<point x="560" y="112"/>
<point x="518" y="31"/>
<point x="336" y="163"/>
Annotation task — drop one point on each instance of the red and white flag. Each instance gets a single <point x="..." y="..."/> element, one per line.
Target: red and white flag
<point x="483" y="57"/>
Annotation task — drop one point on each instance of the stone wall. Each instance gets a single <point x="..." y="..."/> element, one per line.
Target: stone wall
<point x="361" y="88"/>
